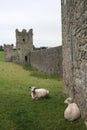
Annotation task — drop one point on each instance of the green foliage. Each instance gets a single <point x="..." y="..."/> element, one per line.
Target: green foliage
<point x="17" y="109"/>
<point x="1" y="48"/>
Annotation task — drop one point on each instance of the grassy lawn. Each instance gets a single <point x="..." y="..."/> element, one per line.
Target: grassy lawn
<point x="19" y="112"/>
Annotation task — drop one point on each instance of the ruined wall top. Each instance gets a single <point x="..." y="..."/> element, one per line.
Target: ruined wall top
<point x="8" y="46"/>
<point x="24" y="31"/>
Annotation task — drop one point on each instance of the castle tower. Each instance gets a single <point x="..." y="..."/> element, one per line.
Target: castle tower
<point x="24" y="45"/>
<point x="8" y="51"/>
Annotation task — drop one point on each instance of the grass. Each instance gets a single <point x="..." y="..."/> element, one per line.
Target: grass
<point x="19" y="112"/>
<point x="1" y="56"/>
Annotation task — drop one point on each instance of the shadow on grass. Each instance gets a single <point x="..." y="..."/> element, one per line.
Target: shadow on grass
<point x="40" y="74"/>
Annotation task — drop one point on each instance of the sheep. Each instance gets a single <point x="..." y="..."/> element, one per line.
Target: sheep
<point x="37" y="93"/>
<point x="85" y="120"/>
<point x="72" y="111"/>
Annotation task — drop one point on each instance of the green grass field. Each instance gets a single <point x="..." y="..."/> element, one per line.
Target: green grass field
<point x="17" y="109"/>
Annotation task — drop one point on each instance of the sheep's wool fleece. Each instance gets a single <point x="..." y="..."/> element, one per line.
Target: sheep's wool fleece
<point x="72" y="112"/>
<point x="41" y="92"/>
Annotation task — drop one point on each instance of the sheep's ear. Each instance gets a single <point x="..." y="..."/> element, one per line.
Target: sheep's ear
<point x="35" y="88"/>
<point x="68" y="100"/>
<point x="29" y="86"/>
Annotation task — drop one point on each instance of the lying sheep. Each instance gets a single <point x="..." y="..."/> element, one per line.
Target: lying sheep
<point x="72" y="112"/>
<point x="85" y="121"/>
<point x="37" y="93"/>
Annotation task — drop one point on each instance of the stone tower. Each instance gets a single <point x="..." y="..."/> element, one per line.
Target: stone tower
<point x="24" y="45"/>
<point x="8" y="51"/>
<point x="74" y="32"/>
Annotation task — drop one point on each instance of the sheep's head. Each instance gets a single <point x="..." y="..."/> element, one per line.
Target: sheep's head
<point x="33" y="88"/>
<point x="68" y="100"/>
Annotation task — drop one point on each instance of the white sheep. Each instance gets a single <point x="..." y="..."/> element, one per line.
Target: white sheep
<point x="37" y="93"/>
<point x="72" y="111"/>
<point x="85" y="120"/>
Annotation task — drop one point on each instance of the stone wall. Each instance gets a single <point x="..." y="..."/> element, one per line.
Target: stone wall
<point x="48" y="60"/>
<point x="74" y="33"/>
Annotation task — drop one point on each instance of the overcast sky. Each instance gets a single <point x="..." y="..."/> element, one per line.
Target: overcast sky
<point x="43" y="16"/>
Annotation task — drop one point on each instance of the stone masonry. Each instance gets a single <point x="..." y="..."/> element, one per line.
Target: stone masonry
<point x="74" y="34"/>
<point x="24" y="45"/>
<point x="48" y="60"/>
<point x="8" y="51"/>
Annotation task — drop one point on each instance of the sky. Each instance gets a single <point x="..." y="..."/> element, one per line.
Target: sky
<point x="43" y="16"/>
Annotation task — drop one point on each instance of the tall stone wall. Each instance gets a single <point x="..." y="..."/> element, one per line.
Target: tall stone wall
<point x="74" y="35"/>
<point x="48" y="60"/>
